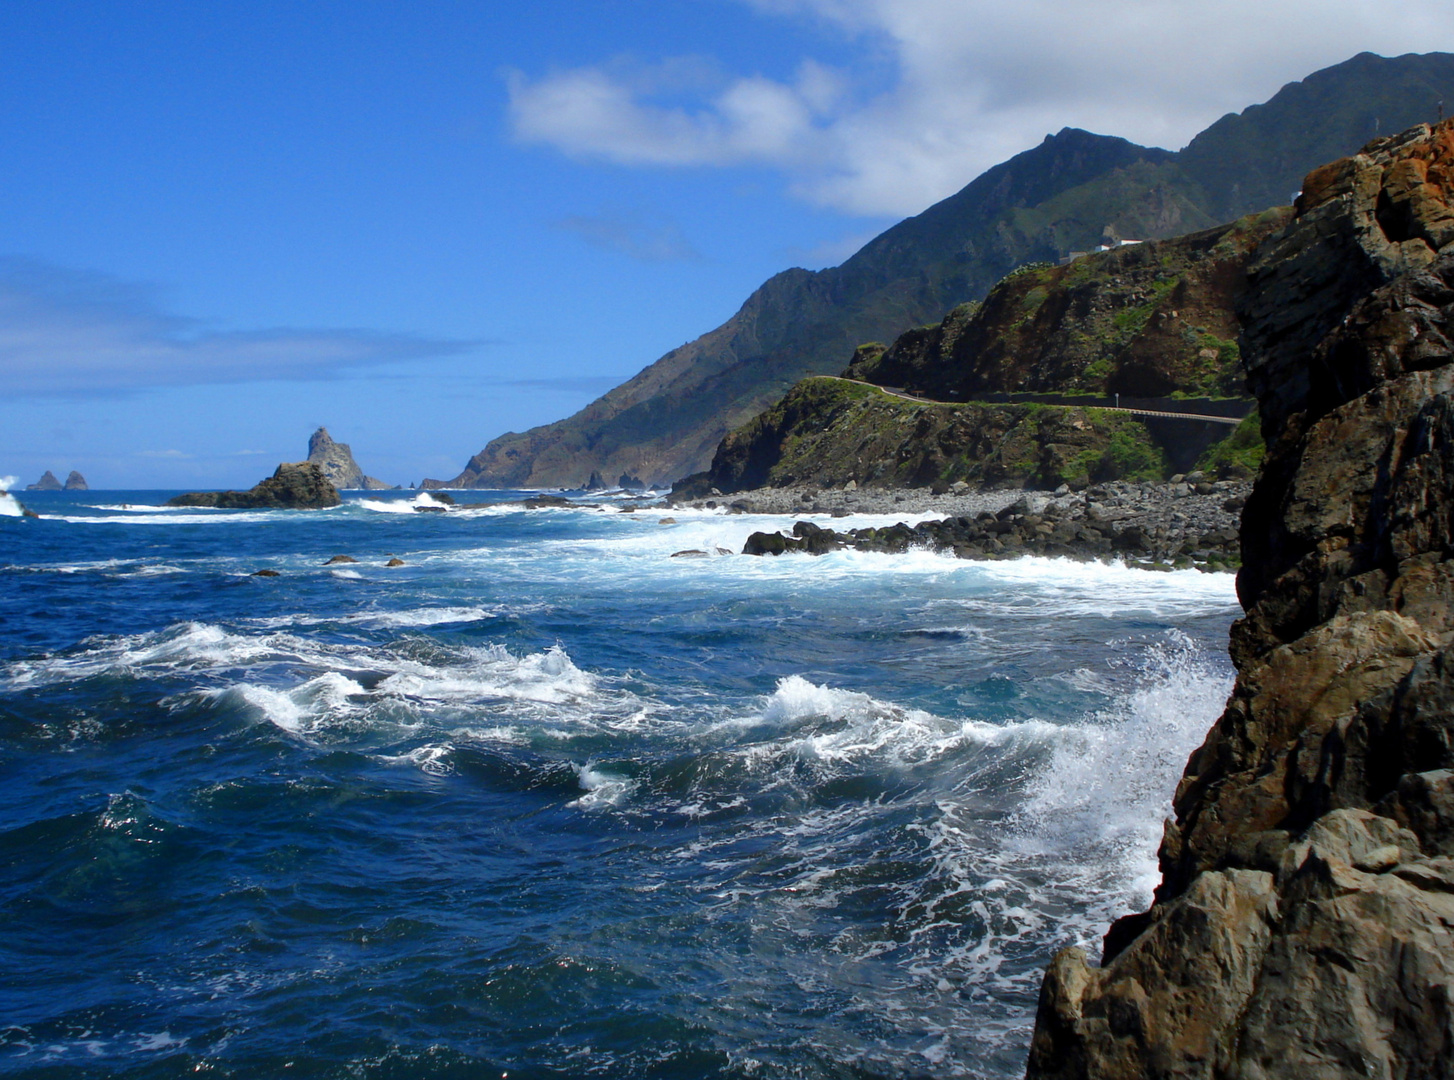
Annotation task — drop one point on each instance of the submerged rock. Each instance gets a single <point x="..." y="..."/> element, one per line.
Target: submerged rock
<point x="299" y="486"/>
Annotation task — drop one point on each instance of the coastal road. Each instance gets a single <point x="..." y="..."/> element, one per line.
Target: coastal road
<point x="1232" y="420"/>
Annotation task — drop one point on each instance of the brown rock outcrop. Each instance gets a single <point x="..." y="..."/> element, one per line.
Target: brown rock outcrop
<point x="1305" y="921"/>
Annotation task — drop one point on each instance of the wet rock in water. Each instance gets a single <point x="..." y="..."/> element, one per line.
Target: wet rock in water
<point x="541" y="502"/>
<point x="300" y="486"/>
<point x="667" y="521"/>
<point x="690" y="553"/>
<point x="340" y="559"/>
<point x="395" y="562"/>
<point x="266" y="573"/>
<point x="428" y="509"/>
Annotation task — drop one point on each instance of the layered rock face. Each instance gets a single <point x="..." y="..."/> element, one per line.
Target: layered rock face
<point x="297" y="486"/>
<point x="336" y="461"/>
<point x="1305" y="921"/>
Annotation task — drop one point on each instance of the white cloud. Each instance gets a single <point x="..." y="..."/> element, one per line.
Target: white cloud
<point x="71" y="333"/>
<point x="972" y="82"/>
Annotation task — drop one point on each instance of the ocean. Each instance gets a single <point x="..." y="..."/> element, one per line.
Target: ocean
<point x="547" y="802"/>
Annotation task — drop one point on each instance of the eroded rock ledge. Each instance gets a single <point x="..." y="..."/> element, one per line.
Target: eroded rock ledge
<point x="1305" y="921"/>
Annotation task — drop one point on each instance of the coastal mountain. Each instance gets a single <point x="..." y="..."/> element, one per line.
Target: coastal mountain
<point x="1141" y="322"/>
<point x="335" y="459"/>
<point x="1070" y="193"/>
<point x="1302" y="924"/>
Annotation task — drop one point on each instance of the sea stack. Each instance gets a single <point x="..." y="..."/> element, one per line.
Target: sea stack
<point x="336" y="461"/>
<point x="297" y="486"/>
<point x="76" y="482"/>
<point x="48" y="482"/>
<point x="1304" y="925"/>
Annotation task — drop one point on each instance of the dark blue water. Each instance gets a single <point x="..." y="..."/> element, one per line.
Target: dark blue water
<point x="546" y="801"/>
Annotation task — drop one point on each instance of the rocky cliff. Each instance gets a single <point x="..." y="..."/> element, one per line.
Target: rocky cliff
<point x="336" y="461"/>
<point x="1304" y="925"/>
<point x="1064" y="195"/>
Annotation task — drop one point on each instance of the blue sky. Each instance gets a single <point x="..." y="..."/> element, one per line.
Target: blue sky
<point x="426" y="224"/>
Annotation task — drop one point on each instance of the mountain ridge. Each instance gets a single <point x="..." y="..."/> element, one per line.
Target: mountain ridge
<point x="1063" y="194"/>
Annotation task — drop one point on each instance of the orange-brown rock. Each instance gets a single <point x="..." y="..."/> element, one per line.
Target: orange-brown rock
<point x="1305" y="921"/>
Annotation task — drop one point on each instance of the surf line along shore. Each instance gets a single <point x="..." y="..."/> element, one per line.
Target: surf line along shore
<point x="1190" y="521"/>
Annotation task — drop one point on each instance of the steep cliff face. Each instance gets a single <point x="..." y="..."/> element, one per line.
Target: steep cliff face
<point x="1305" y="921"/>
<point x="1145" y="320"/>
<point x="1060" y="196"/>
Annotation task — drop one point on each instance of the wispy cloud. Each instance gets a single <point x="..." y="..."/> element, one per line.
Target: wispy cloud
<point x="174" y="455"/>
<point x="68" y="333"/>
<point x="947" y="88"/>
<point x="640" y="235"/>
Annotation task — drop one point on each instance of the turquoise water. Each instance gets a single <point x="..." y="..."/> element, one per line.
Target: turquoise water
<point x="546" y="801"/>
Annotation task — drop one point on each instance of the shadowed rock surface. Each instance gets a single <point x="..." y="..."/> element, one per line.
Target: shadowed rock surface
<point x="76" y="482"/>
<point x="1304" y="925"/>
<point x="336" y="461"/>
<point x="297" y="486"/>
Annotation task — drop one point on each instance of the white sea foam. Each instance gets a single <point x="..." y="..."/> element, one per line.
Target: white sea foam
<point x="602" y="789"/>
<point x="9" y="505"/>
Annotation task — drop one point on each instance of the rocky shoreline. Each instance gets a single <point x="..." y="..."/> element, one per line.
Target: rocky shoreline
<point x="1188" y="522"/>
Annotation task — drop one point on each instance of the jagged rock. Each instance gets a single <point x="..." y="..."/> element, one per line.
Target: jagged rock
<point x="76" y="482"/>
<point x="297" y="486"/>
<point x="1304" y="925"/>
<point x="48" y="482"/>
<point x="336" y="461"/>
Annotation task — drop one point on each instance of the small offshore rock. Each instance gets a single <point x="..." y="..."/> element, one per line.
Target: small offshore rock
<point x="266" y="573"/>
<point x="293" y="486"/>
<point x="690" y="553"/>
<point x="340" y="559"/>
<point x="667" y="521"/>
<point x="395" y="562"/>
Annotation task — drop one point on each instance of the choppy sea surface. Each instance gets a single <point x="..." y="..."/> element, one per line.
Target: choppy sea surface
<point x="548" y="802"/>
